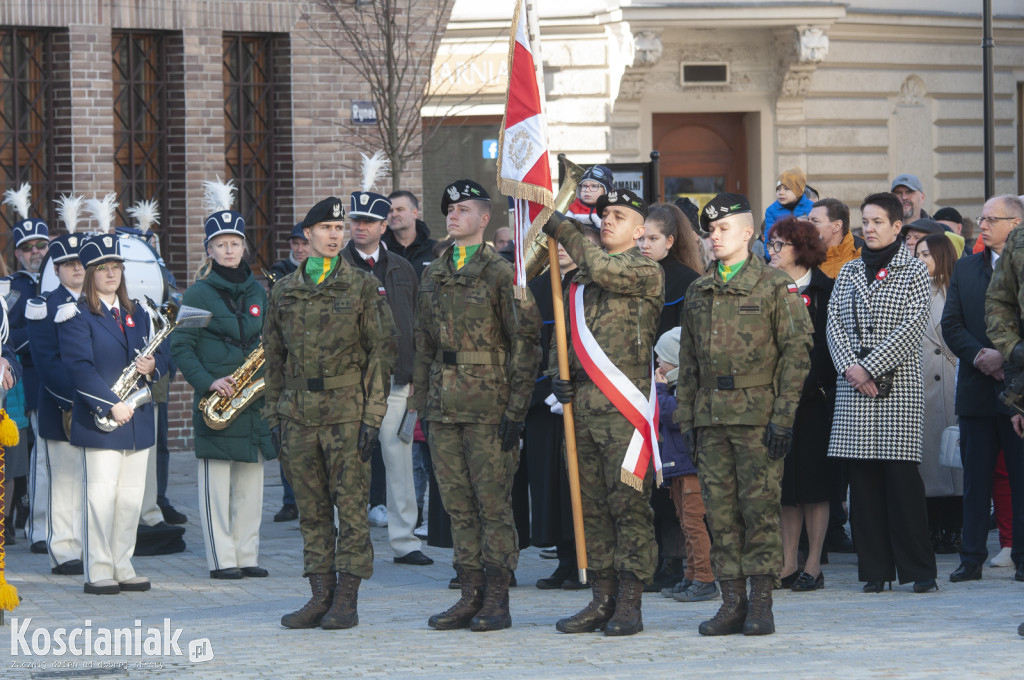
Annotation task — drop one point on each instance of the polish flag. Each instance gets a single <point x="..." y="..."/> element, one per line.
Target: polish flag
<point x="523" y="169"/>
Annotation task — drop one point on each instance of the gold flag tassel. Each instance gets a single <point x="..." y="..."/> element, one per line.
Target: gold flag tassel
<point x="8" y="438"/>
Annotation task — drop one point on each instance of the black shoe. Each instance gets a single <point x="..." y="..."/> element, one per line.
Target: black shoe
<point x="573" y="583"/>
<point x="172" y="516"/>
<point x="227" y="574"/>
<point x="255" y="572"/>
<point x="967" y="571"/>
<point x="287" y="513"/>
<point x="69" y="568"/>
<point x="806" y="583"/>
<point x="105" y="587"/>
<point x="925" y="586"/>
<point x="788" y="581"/>
<point x="838" y="541"/>
<point x="416" y="557"/>
<point x="875" y="586"/>
<point x="1019" y="576"/>
<point x="549" y="553"/>
<point x="9" y="532"/>
<point x="38" y="548"/>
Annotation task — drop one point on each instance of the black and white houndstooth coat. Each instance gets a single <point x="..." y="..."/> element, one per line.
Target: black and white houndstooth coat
<point x="891" y="312"/>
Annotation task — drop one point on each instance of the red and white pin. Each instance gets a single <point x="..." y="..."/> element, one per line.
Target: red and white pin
<point x="129" y="321"/>
<point x="254" y="310"/>
<point x="882" y="274"/>
<point x="807" y="300"/>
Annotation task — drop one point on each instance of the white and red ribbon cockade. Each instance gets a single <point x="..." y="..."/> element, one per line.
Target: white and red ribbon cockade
<point x="641" y="413"/>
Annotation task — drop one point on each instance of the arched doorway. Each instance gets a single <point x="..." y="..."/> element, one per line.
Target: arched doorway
<point x="702" y="154"/>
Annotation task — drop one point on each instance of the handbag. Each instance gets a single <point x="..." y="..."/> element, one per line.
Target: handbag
<point x="949" y="449"/>
<point x="884" y="382"/>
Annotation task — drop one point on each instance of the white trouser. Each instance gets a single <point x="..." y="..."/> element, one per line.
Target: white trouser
<point x="230" y="510"/>
<point x="398" y="463"/>
<point x="114" y="483"/>
<point x="151" y="514"/>
<point x="67" y="481"/>
<point x="38" y="486"/>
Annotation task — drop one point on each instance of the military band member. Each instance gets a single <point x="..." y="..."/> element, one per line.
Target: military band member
<point x="744" y="354"/>
<point x="31" y="239"/>
<point x="613" y="307"/>
<point x="330" y="346"/>
<point x="57" y="391"/>
<point x="476" y="358"/>
<point x="98" y="341"/>
<point x="230" y="459"/>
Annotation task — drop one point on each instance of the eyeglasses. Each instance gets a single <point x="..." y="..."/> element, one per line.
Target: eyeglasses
<point x="591" y="186"/>
<point x="36" y="245"/>
<point x="776" y="246"/>
<point x="986" y="218"/>
<point x="114" y="266"/>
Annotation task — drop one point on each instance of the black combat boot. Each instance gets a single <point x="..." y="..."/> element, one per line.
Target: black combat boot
<point x="494" y="614"/>
<point x="343" y="613"/>
<point x="459" y="615"/>
<point x="733" y="612"/>
<point x="597" y="612"/>
<point x="627" y="619"/>
<point x="760" y="620"/>
<point x="309" y="616"/>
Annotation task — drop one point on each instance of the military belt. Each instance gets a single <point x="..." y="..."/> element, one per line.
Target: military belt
<point x="735" y="382"/>
<point x="481" y="358"/>
<point x="631" y="371"/>
<point x="321" y="384"/>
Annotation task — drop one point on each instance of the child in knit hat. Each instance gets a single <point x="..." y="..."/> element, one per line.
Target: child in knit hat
<point x="596" y="182"/>
<point x="790" y="198"/>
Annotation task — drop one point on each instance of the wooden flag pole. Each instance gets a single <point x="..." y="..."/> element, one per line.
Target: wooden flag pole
<point x="570" y="430"/>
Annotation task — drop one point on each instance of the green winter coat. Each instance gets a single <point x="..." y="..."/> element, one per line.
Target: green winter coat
<point x="205" y="354"/>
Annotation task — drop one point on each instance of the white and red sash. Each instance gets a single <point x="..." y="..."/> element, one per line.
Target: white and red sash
<point x="641" y="413"/>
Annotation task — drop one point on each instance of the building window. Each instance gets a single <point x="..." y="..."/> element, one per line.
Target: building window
<point x="250" y="92"/>
<point x="140" y="120"/>
<point x="26" y="120"/>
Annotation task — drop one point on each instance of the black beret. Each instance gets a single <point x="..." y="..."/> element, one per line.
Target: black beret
<point x="623" y="197"/>
<point x="328" y="210"/>
<point x="723" y="205"/>
<point x="924" y="225"/>
<point x="948" y="215"/>
<point x="462" y="190"/>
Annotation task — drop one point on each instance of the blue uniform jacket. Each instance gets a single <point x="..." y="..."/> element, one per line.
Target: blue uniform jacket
<point x="23" y="288"/>
<point x="56" y="389"/>
<point x="675" y="459"/>
<point x="96" y="351"/>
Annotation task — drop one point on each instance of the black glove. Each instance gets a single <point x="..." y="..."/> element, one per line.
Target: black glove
<point x="367" y="438"/>
<point x="1017" y="355"/>
<point x="563" y="390"/>
<point x="690" y="444"/>
<point x="551" y="226"/>
<point x="508" y="432"/>
<point x="275" y="438"/>
<point x="778" y="440"/>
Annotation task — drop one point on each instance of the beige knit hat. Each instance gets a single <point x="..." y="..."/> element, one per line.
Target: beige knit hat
<point x="795" y="180"/>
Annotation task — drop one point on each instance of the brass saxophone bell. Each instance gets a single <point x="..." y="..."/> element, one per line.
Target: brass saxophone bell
<point x="536" y="252"/>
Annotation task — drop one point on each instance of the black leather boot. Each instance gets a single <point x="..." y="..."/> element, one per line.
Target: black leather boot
<point x="733" y="612"/>
<point x="598" y="611"/>
<point x="494" y="614"/>
<point x="760" y="620"/>
<point x="310" y="614"/>
<point x="459" y="615"/>
<point x="343" y="612"/>
<point x="627" y="619"/>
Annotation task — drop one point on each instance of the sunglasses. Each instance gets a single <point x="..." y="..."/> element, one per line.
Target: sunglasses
<point x="36" y="245"/>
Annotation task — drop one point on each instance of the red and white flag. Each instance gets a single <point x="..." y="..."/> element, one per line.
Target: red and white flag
<point x="524" y="172"/>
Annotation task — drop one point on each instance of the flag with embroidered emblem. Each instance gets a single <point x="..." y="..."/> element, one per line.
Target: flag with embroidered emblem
<point x="524" y="171"/>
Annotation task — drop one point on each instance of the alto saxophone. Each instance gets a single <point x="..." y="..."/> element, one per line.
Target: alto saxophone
<point x="219" y="412"/>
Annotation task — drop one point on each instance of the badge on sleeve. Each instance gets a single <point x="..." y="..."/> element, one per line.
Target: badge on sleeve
<point x="381" y="291"/>
<point x="129" y="321"/>
<point x="882" y="273"/>
<point x="254" y="310"/>
<point x="792" y="288"/>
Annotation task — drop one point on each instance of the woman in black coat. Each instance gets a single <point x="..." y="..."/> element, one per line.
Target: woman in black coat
<point x="807" y="474"/>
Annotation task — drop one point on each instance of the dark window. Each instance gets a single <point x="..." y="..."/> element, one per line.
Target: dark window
<point x="26" y="120"/>
<point x="250" y="91"/>
<point x="140" y="120"/>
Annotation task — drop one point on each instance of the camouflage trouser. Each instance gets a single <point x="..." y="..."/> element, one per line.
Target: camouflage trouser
<point x="617" y="519"/>
<point x="324" y="469"/>
<point x="741" y="490"/>
<point x="474" y="477"/>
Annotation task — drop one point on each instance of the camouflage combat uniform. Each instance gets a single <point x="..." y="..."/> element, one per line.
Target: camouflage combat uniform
<point x="622" y="303"/>
<point x="744" y="354"/>
<point x="477" y="354"/>
<point x="1004" y="301"/>
<point x="329" y="353"/>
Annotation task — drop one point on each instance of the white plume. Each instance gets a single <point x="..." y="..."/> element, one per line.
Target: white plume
<point x="69" y="209"/>
<point x="102" y="210"/>
<point x="218" y="195"/>
<point x="19" y="199"/>
<point x="375" y="169"/>
<point x="145" y="214"/>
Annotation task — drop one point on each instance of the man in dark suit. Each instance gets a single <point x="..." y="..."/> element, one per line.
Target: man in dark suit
<point x="986" y="425"/>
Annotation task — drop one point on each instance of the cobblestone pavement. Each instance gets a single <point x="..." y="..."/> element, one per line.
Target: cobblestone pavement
<point x="963" y="631"/>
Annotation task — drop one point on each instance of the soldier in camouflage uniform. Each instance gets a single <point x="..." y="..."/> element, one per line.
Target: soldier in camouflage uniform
<point x="477" y="353"/>
<point x="743" y="357"/>
<point x="330" y="344"/>
<point x="623" y="296"/>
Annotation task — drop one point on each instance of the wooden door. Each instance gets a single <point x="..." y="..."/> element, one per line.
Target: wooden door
<point x="702" y="154"/>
